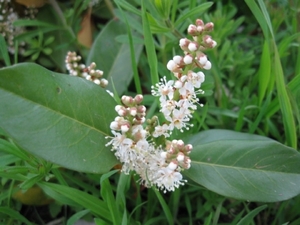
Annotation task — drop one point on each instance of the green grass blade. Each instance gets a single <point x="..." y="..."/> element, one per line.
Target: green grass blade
<point x="136" y="77"/>
<point x="264" y="72"/>
<point x="94" y="204"/>
<point x="195" y="11"/>
<point x="108" y="197"/>
<point x="248" y="218"/>
<point x="165" y="207"/>
<point x="14" y="214"/>
<point x="73" y="219"/>
<point x="259" y="17"/>
<point x="149" y="45"/>
<point x="4" y="51"/>
<point x="284" y="102"/>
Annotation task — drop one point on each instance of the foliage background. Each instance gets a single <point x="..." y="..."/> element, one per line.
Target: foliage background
<point x="252" y="88"/>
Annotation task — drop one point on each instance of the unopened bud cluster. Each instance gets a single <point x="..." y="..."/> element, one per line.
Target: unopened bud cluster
<point x="90" y="73"/>
<point x="178" y="98"/>
<point x="145" y="149"/>
<point x="7" y="17"/>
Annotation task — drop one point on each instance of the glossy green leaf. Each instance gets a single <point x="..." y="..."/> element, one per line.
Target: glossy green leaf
<point x="244" y="166"/>
<point x="113" y="58"/>
<point x="60" y="118"/>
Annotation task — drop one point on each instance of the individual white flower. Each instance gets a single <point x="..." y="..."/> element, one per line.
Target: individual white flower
<point x="196" y="79"/>
<point x="167" y="107"/>
<point x="161" y="130"/>
<point x="168" y="179"/>
<point x="179" y="119"/>
<point x="163" y="89"/>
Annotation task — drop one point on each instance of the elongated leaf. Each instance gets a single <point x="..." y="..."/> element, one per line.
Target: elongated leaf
<point x="85" y="200"/>
<point x="113" y="58"/>
<point x="14" y="214"/>
<point x="249" y="217"/>
<point x="34" y="23"/>
<point x="195" y="11"/>
<point x="73" y="219"/>
<point x="60" y="118"/>
<point x="4" y="51"/>
<point x="264" y="72"/>
<point x="244" y="166"/>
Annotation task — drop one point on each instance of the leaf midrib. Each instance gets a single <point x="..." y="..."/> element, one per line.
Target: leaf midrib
<point x="52" y="110"/>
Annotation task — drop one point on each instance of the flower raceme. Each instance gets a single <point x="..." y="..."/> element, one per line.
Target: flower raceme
<point x="145" y="149"/>
<point x="89" y="73"/>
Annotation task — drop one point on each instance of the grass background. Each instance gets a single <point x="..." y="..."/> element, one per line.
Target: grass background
<point x="253" y="87"/>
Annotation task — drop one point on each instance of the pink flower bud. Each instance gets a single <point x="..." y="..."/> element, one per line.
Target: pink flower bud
<point x="180" y="157"/>
<point x="180" y="143"/>
<point x="114" y="125"/>
<point x="133" y="111"/>
<point x="188" y="59"/>
<point x="207" y="65"/>
<point x="201" y="76"/>
<point x="178" y="84"/>
<point x="163" y="155"/>
<point x="138" y="99"/>
<point x="209" y="26"/>
<point x="124" y="128"/>
<point x="192" y="46"/>
<point x="177" y="59"/>
<point x="97" y="81"/>
<point x="172" y="166"/>
<point x="104" y="82"/>
<point x="213" y="44"/>
<point x="199" y="22"/>
<point x="203" y="59"/>
<point x="192" y="30"/>
<point x="171" y="65"/>
<point x="200" y="29"/>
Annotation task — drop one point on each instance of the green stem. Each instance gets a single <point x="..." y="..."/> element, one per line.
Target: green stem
<point x="61" y="16"/>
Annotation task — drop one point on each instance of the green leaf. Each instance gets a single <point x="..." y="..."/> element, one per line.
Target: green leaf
<point x="195" y="11"/>
<point x="34" y="23"/>
<point x="4" y="51"/>
<point x="60" y="118"/>
<point x="264" y="72"/>
<point x="73" y="219"/>
<point x="248" y="219"/>
<point x="112" y="57"/>
<point x="14" y="214"/>
<point x="108" y="197"/>
<point x="163" y="7"/>
<point x="244" y="166"/>
<point x="149" y="45"/>
<point x="94" y="204"/>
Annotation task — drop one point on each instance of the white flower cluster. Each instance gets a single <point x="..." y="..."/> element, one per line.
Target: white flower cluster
<point x="178" y="98"/>
<point x="155" y="166"/>
<point x="78" y="69"/>
<point x="146" y="150"/>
